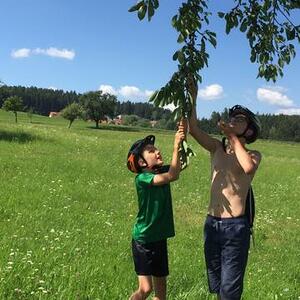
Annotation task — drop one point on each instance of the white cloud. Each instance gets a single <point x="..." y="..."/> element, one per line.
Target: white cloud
<point x="53" y="52"/>
<point x="127" y="92"/>
<point x="148" y="93"/>
<point x="171" y="107"/>
<point x="130" y="91"/>
<point x="134" y="93"/>
<point x="20" y="53"/>
<point x="105" y="88"/>
<point x="289" y="111"/>
<point x="53" y="88"/>
<point x="274" y="96"/>
<point x="211" y="92"/>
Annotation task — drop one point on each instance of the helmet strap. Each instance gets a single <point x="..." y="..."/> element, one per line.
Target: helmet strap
<point x="224" y="143"/>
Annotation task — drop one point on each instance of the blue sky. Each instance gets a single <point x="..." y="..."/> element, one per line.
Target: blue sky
<point x="87" y="45"/>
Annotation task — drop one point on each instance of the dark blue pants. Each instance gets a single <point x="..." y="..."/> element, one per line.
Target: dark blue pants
<point x="226" y="245"/>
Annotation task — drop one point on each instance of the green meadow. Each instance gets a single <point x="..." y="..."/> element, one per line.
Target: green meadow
<point x="68" y="203"/>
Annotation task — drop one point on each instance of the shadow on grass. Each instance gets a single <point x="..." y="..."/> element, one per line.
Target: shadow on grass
<point x="17" y="137"/>
<point x="116" y="128"/>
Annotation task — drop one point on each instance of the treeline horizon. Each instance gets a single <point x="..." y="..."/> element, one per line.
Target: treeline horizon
<point x="43" y="101"/>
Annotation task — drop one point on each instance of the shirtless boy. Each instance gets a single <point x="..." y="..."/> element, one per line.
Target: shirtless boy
<point x="226" y="230"/>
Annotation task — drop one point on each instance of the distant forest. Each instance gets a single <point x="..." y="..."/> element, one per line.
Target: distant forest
<point x="42" y="101"/>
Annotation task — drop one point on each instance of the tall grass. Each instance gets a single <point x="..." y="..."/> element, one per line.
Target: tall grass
<point x="68" y="203"/>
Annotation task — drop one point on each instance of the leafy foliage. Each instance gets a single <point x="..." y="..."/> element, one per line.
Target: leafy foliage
<point x="142" y="7"/>
<point x="41" y="100"/>
<point x="72" y="112"/>
<point x="269" y="31"/>
<point x="266" y="24"/>
<point x="97" y="105"/>
<point x="13" y="104"/>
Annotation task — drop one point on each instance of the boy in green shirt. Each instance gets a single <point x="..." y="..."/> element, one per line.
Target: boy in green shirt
<point x="154" y="222"/>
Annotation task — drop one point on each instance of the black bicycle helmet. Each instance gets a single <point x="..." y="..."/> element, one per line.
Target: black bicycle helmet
<point x="135" y="153"/>
<point x="253" y="122"/>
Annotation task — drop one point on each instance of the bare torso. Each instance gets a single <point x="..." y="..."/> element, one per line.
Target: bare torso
<point x="229" y="185"/>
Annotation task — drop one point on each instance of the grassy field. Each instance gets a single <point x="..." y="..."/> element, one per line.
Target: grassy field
<point x="68" y="203"/>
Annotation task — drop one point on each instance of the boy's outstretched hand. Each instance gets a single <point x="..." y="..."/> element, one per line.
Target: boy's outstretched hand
<point x="181" y="132"/>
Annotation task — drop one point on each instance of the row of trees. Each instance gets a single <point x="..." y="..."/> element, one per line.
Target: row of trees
<point x="40" y="100"/>
<point x="93" y="106"/>
<point x="96" y="106"/>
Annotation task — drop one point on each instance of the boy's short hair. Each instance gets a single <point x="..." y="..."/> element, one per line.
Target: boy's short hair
<point x="253" y="122"/>
<point x="135" y="152"/>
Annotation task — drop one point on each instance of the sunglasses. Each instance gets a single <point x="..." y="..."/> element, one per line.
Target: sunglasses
<point x="238" y="119"/>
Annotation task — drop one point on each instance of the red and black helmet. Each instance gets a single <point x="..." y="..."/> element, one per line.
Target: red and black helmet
<point x="253" y="122"/>
<point x="135" y="153"/>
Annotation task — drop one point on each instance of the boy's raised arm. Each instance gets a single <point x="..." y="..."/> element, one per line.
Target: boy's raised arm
<point x="174" y="170"/>
<point x="204" y="139"/>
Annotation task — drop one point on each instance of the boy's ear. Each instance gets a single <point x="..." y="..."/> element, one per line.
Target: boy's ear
<point x="142" y="163"/>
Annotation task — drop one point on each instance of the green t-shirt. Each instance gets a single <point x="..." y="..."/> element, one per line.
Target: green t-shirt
<point x="154" y="221"/>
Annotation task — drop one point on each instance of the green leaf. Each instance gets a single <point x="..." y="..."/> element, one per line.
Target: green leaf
<point x="244" y="26"/>
<point x="180" y="38"/>
<point x="158" y="97"/>
<point x="175" y="55"/>
<point x="174" y="21"/>
<point x="213" y="41"/>
<point x="167" y="94"/>
<point x="184" y="145"/>
<point x="176" y="114"/>
<point x="199" y="78"/>
<point x="142" y="12"/>
<point x="181" y="57"/>
<point x="228" y="27"/>
<point x="150" y="10"/>
<point x="185" y="152"/>
<point x="156" y="4"/>
<point x="290" y="33"/>
<point x="153" y="96"/>
<point x="253" y="56"/>
<point x="136" y="6"/>
<point x="190" y="152"/>
<point x="221" y="14"/>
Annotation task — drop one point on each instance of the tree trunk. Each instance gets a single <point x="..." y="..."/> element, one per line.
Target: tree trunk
<point x="71" y="121"/>
<point x="16" y="116"/>
<point x="97" y="123"/>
